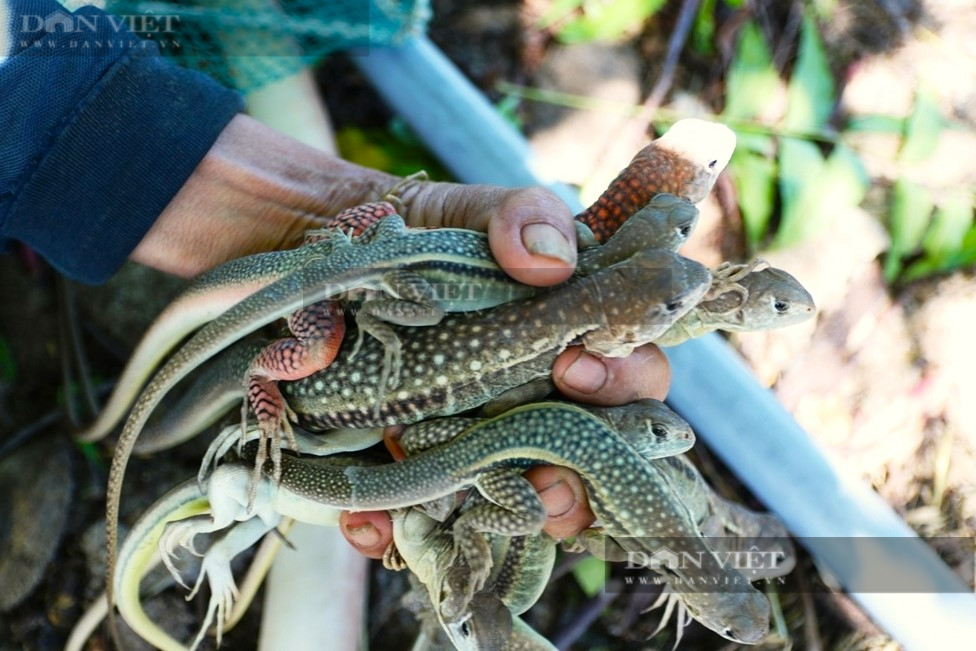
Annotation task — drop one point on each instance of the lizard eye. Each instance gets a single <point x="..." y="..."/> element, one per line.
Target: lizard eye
<point x="673" y="306"/>
<point x="685" y="231"/>
<point x="712" y="164"/>
<point x="781" y="306"/>
<point x="466" y="628"/>
<point x="659" y="430"/>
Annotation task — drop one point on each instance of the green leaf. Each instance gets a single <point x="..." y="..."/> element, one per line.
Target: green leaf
<point x="755" y="181"/>
<point x="508" y="108"/>
<point x="944" y="240"/>
<point x="810" y="94"/>
<point x="876" y="124"/>
<point x="813" y="190"/>
<point x="752" y="79"/>
<point x="920" y="269"/>
<point x="911" y="209"/>
<point x="703" y="33"/>
<point x="591" y="575"/>
<point x="800" y="164"/>
<point x="607" y="20"/>
<point x="923" y="127"/>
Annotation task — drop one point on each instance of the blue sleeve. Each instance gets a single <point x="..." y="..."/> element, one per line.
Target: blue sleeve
<point x="98" y="134"/>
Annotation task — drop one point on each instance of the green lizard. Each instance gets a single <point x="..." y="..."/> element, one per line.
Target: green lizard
<point x="389" y="256"/>
<point x="175" y="370"/>
<point x="521" y="564"/>
<point x="729" y="527"/>
<point x="664" y="223"/>
<point x="685" y="161"/>
<point x="489" y="621"/>
<point x="744" y="298"/>
<point x="654" y="429"/>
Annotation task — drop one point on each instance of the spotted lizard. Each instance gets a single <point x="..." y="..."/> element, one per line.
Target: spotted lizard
<point x="684" y="161"/>
<point x="744" y="298"/>
<point x="654" y="429"/>
<point x="730" y="528"/>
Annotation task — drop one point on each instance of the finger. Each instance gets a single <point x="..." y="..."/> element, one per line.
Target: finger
<point x="391" y="440"/>
<point x="532" y="237"/>
<point x="369" y="532"/>
<point x="589" y="378"/>
<point x="564" y="497"/>
<point x="530" y="230"/>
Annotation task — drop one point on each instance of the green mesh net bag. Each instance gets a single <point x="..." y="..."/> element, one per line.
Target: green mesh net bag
<point x="251" y="43"/>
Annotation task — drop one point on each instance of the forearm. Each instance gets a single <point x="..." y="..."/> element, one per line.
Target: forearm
<point x="255" y="190"/>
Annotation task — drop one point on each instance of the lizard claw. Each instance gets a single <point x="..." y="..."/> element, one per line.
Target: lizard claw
<point x="269" y="446"/>
<point x="392" y="560"/>
<point x="180" y="534"/>
<point x="455" y="592"/>
<point x="224" y="593"/>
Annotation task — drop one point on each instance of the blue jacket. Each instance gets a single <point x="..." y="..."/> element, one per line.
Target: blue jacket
<point x="97" y="134"/>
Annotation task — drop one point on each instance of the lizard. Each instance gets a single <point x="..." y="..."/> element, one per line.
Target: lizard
<point x="600" y="309"/>
<point x="649" y="424"/>
<point x="446" y="257"/>
<point x="730" y="528"/>
<point x="684" y="161"/>
<point x="744" y="298"/>
<point x="490" y="620"/>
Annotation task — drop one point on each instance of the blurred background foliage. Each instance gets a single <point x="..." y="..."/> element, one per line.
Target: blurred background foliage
<point x="796" y="168"/>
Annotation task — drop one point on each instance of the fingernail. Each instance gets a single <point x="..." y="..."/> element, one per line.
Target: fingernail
<point x="365" y="535"/>
<point x="587" y="374"/>
<point x="559" y="499"/>
<point x="547" y="241"/>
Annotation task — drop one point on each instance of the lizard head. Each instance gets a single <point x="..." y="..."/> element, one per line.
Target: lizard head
<point x="650" y="427"/>
<point x="775" y="299"/>
<point x="741" y="615"/>
<point x="641" y="297"/>
<point x="666" y="222"/>
<point x="707" y="146"/>
<point x="485" y="625"/>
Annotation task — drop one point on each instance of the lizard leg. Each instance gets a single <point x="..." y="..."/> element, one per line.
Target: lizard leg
<point x="317" y="334"/>
<point x="352" y="221"/>
<point x="429" y="434"/>
<point x="432" y="433"/>
<point x="217" y="570"/>
<point x="598" y="544"/>
<point x="512" y="509"/>
<point x="725" y="284"/>
<point x="393" y="194"/>
<point x="414" y="304"/>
